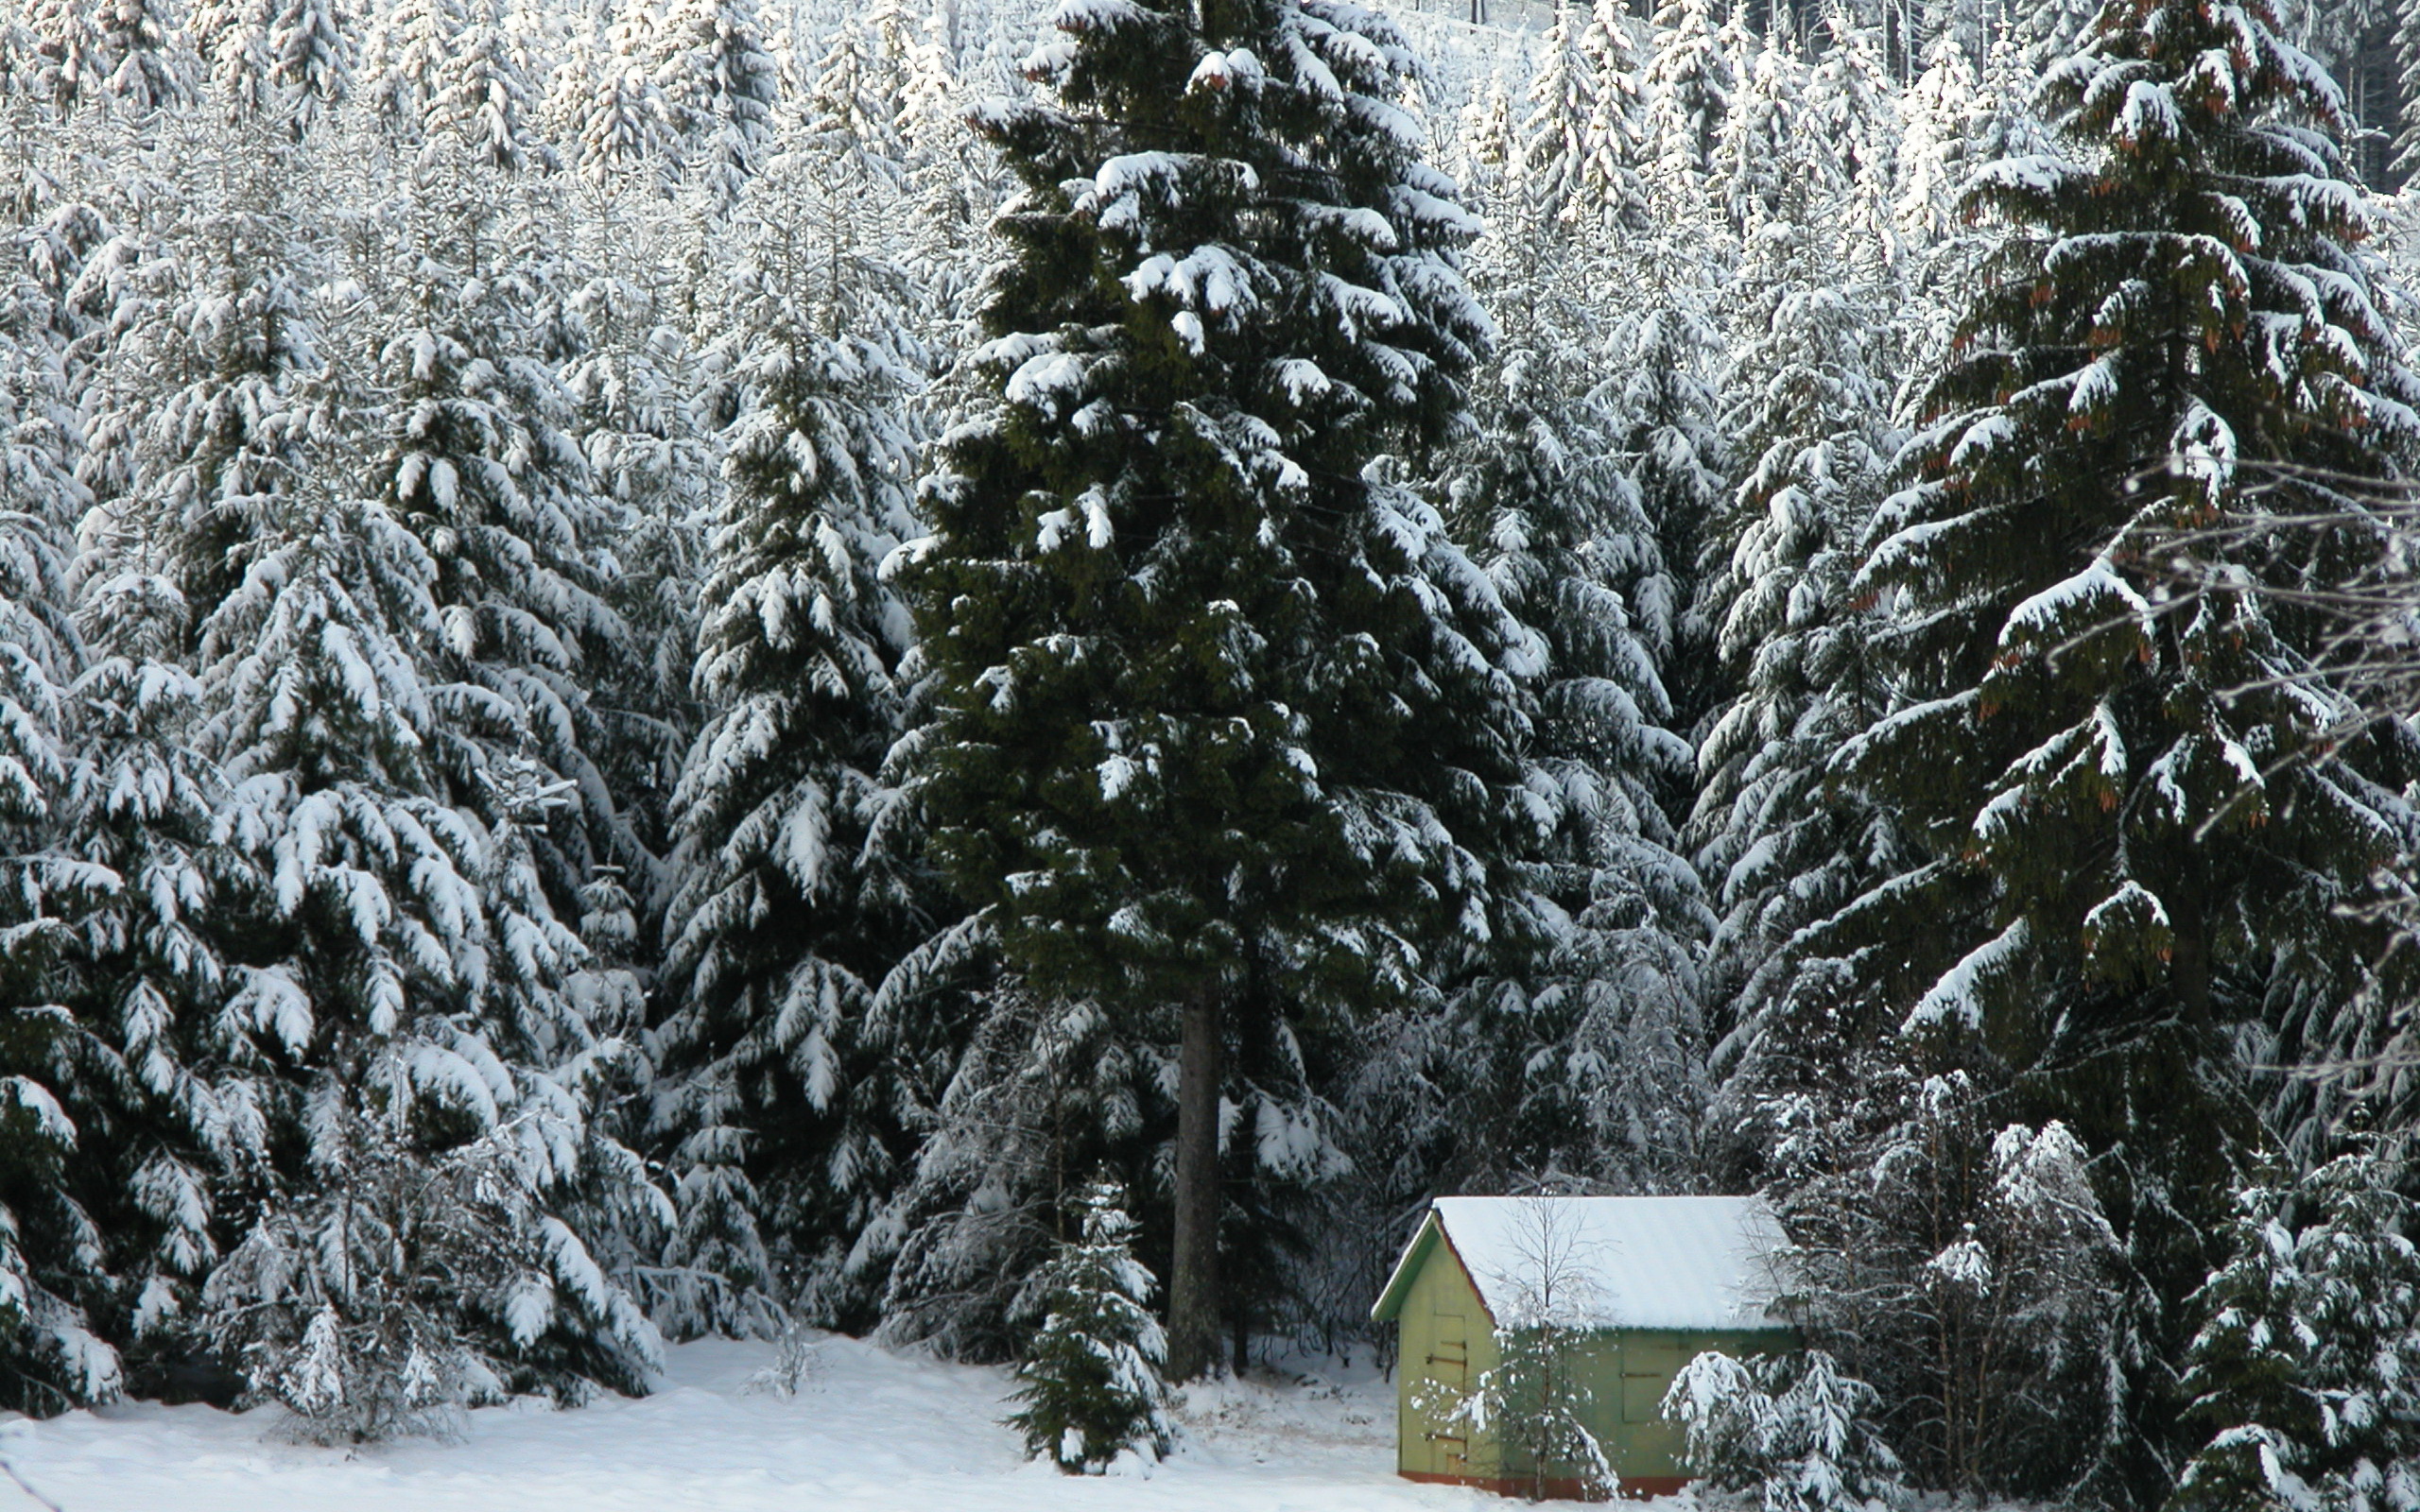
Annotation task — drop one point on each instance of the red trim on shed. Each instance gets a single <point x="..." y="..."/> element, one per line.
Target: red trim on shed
<point x="1558" y="1488"/>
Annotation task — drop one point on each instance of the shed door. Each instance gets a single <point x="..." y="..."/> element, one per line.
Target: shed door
<point x="1449" y="1365"/>
<point x="1652" y="1446"/>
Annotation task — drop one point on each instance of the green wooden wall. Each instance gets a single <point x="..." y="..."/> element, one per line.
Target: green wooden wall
<point x="1447" y="1339"/>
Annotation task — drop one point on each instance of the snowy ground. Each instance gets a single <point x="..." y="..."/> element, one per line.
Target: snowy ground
<point x="867" y="1431"/>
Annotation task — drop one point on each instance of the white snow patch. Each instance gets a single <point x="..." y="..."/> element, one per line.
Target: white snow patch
<point x="871" y="1430"/>
<point x="2049" y="613"/>
<point x="1956" y="997"/>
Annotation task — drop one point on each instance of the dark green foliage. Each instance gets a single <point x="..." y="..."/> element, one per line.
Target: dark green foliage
<point x="2096" y="774"/>
<point x="1188" y="657"/>
<point x="800" y="885"/>
<point x="174" y="1117"/>
<point x="1220" y="720"/>
<point x="2307" y="1370"/>
<point x="50" y="1253"/>
<point x="55" y="1260"/>
<point x="2137" y="820"/>
<point x="1090" y="1385"/>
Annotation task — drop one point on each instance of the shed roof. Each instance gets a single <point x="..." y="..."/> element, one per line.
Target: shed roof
<point x="1635" y="1262"/>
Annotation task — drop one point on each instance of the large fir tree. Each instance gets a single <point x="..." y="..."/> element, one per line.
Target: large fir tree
<point x="1227" y="729"/>
<point x="53" y="1264"/>
<point x="2138" y="822"/>
<point x="799" y="890"/>
<point x="1587" y="1054"/>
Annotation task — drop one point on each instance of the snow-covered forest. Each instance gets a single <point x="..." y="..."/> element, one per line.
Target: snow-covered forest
<point x="692" y="668"/>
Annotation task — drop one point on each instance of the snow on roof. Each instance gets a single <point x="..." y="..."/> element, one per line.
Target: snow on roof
<point x="1639" y="1262"/>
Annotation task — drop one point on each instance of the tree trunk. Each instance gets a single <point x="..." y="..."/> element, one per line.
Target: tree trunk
<point x="1193" y="1286"/>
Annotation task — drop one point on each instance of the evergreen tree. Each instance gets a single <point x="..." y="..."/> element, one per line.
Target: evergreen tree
<point x="1965" y="1270"/>
<point x="289" y="61"/>
<point x="2307" y="1369"/>
<point x="800" y="889"/>
<point x="409" y="1047"/>
<point x="415" y="1257"/>
<point x="953" y="181"/>
<point x="489" y="100"/>
<point x="1486" y="149"/>
<point x="1591" y="1063"/>
<point x="2407" y="49"/>
<point x="1563" y="104"/>
<point x="1035" y="1089"/>
<point x="1766" y="148"/>
<point x="176" y="1119"/>
<point x="1671" y="255"/>
<point x="720" y="85"/>
<point x="312" y="43"/>
<point x="480" y="463"/>
<point x="1938" y="146"/>
<point x="1664" y="417"/>
<point x="405" y="51"/>
<point x="607" y="100"/>
<point x="74" y="53"/>
<point x="171" y="1113"/>
<point x="1852" y="109"/>
<point x="126" y="868"/>
<point x="193" y="417"/>
<point x="641" y="395"/>
<point x="2050" y="31"/>
<point x="1617" y="125"/>
<point x="448" y="70"/>
<point x="1688" y="86"/>
<point x="55" y="53"/>
<point x="53" y="1261"/>
<point x="1225" y="726"/>
<point x="1793" y="1429"/>
<point x="853" y="90"/>
<point x="2178" y="334"/>
<point x="1961" y="26"/>
<point x="1957" y="122"/>
<point x="1807" y="411"/>
<point x="232" y="38"/>
<point x="1090" y="1385"/>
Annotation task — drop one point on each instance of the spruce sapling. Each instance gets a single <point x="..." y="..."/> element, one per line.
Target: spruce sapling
<point x="1091" y="1387"/>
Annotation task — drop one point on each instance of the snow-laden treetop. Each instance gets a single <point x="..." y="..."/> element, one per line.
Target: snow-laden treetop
<point x="1606" y="1262"/>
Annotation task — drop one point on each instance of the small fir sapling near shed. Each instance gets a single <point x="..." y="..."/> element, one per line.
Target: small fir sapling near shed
<point x="1091" y="1386"/>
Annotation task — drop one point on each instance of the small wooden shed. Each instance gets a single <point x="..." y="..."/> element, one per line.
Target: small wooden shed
<point x="1665" y="1279"/>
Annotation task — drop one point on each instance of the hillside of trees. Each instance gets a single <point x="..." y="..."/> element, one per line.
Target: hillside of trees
<point x="685" y="666"/>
